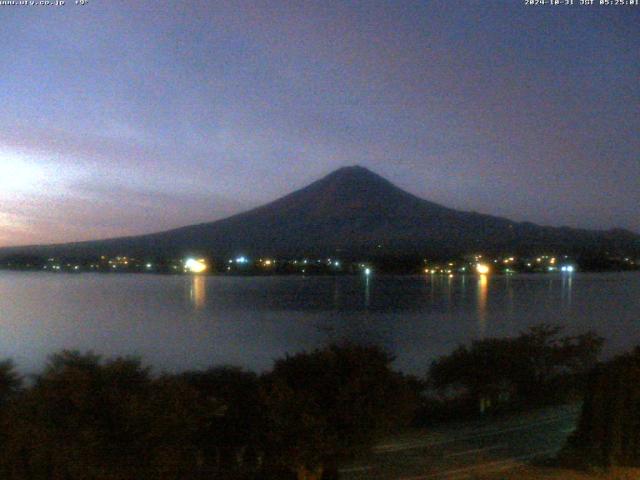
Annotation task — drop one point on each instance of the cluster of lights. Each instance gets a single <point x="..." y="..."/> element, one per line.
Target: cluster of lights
<point x="267" y="262"/>
<point x="450" y="268"/>
<point x="439" y="270"/>
<point x="193" y="265"/>
<point x="334" y="263"/>
<point x="57" y="267"/>
<point x="481" y="265"/>
<point x="119" y="261"/>
<point x="271" y="262"/>
<point x="482" y="268"/>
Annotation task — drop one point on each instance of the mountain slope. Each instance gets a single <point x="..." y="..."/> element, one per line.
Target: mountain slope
<point x="354" y="211"/>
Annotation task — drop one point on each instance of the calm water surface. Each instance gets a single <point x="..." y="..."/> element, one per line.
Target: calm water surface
<point x="181" y="322"/>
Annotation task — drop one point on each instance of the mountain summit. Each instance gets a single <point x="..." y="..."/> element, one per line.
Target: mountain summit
<point x="349" y="191"/>
<point x="354" y="211"/>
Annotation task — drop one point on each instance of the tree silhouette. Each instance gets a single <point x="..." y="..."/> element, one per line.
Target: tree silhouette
<point x="85" y="419"/>
<point x="535" y="367"/>
<point x="609" y="428"/>
<point x="10" y="381"/>
<point x="233" y="441"/>
<point x="325" y="405"/>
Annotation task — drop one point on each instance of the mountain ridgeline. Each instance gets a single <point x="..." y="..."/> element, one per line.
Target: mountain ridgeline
<point x="352" y="212"/>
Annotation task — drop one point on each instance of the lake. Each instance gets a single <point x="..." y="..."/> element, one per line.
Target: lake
<point x="176" y="323"/>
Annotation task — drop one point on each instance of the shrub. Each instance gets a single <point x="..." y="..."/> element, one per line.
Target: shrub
<point x="327" y="404"/>
<point x="534" y="368"/>
<point x="609" y="428"/>
<point x="85" y="419"/>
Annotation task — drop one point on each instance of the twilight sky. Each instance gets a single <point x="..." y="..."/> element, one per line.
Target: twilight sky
<point x="132" y="117"/>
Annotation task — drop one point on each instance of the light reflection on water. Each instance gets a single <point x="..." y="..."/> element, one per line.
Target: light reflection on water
<point x="567" y="283"/>
<point x="198" y="291"/>
<point x="180" y="322"/>
<point x="483" y="293"/>
<point x="367" y="291"/>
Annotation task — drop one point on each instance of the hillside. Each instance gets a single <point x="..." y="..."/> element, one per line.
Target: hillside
<point x="352" y="211"/>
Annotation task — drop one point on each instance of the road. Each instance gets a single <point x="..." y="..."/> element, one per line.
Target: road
<point x="464" y="450"/>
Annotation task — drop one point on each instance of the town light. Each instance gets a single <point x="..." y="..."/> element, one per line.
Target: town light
<point x="192" y="265"/>
<point x="482" y="268"/>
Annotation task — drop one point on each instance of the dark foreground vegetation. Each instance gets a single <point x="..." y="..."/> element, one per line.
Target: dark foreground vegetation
<point x="86" y="418"/>
<point x="608" y="432"/>
<point x="538" y="367"/>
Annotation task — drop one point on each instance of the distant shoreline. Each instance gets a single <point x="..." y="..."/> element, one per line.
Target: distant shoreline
<point x="343" y="274"/>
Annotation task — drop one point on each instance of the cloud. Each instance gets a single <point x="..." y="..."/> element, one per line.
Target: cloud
<point x="248" y="101"/>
